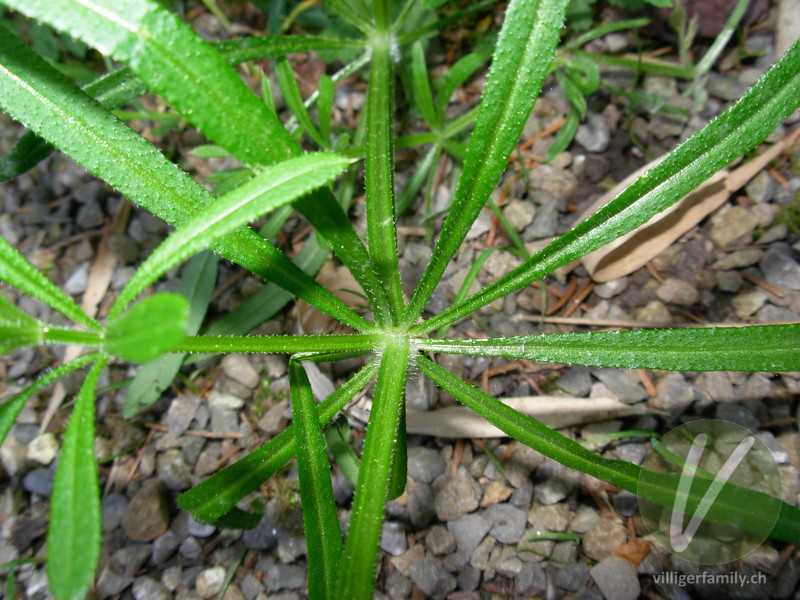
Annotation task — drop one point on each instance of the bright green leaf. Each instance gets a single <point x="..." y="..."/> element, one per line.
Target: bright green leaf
<point x="149" y="329"/>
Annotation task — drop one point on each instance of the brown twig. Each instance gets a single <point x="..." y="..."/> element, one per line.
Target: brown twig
<point x="204" y="434"/>
<point x="573" y="282"/>
<point x="763" y="284"/>
<point x="579" y="298"/>
<point x="647" y="381"/>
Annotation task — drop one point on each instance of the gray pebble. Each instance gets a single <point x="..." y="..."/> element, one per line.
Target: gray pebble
<point x="584" y="519"/>
<point x="424" y="464"/>
<point x="455" y="495"/>
<point x="509" y="566"/>
<point x="468" y="579"/>
<point x="532" y="580"/>
<point x="129" y="559"/>
<point x="734" y="224"/>
<point x="180" y="414"/>
<point x="572" y="578"/>
<point x="632" y="452"/>
<point x="612" y="288"/>
<point x="200" y="530"/>
<point x="729" y="281"/>
<point x="110" y="583"/>
<point x="673" y="394"/>
<point x="39" y="482"/>
<point x="173" y="470"/>
<point x="616" y="578"/>
<point x="748" y="303"/>
<point x="522" y="495"/>
<point x="393" y="538"/>
<point x="77" y="280"/>
<point x="508" y="522"/>
<point x="594" y="134"/>
<point x="434" y="581"/>
<point x="420" y="505"/>
<point x="468" y="532"/>
<point x="576" y="381"/>
<point x="164" y="546"/>
<point x="90" y="215"/>
<point x="239" y="368"/>
<point x="736" y="413"/>
<point x="290" y="546"/>
<point x="113" y="507"/>
<point x="739" y="259"/>
<point x="545" y="223"/>
<point x="603" y="537"/>
<point x="190" y="548"/>
<point x="779" y="267"/>
<point x="624" y="384"/>
<point x="519" y="213"/>
<point x="677" y="291"/>
<point x="285" y="577"/>
<point x="761" y="188"/>
<point x="626" y="503"/>
<point x="481" y="554"/>
<point x="556" y="486"/>
<point x="147" y="588"/>
<point x="440" y="541"/>
<point x="397" y="586"/>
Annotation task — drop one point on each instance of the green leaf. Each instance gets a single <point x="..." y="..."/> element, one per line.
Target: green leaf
<point x="152" y="327"/>
<point x="327" y="91"/>
<point x="53" y="107"/>
<point x="521" y="60"/>
<point x="219" y="494"/>
<point x="197" y="284"/>
<point x="270" y="189"/>
<point x="323" y="535"/>
<point x="17" y="336"/>
<point x="421" y="87"/>
<point x="257" y="47"/>
<point x="18" y="272"/>
<point x="584" y="74"/>
<point x="10" y="315"/>
<point x="739" y="506"/>
<point x="565" y="135"/>
<point x="9" y="410"/>
<point x="738" y="130"/>
<point x="461" y="70"/>
<point x="73" y="536"/>
<point x="291" y="94"/>
<point x="359" y="563"/>
<point x="338" y="440"/>
<point x="353" y="12"/>
<point x="753" y="348"/>
<point x="571" y="91"/>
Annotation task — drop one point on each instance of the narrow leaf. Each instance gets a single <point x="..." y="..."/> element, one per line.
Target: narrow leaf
<point x="149" y="329"/>
<point x="11" y="315"/>
<point x="18" y="336"/>
<point x="50" y="105"/>
<point x="21" y="274"/>
<point x="742" y="507"/>
<point x="754" y="348"/>
<point x="219" y="494"/>
<point x="291" y="94"/>
<point x="257" y="47"/>
<point x="421" y="86"/>
<point x="270" y="189"/>
<point x="323" y="535"/>
<point x="327" y="91"/>
<point x="527" y="42"/>
<point x="739" y="129"/>
<point x="9" y="410"/>
<point x="461" y="70"/>
<point x="73" y="537"/>
<point x="359" y="563"/>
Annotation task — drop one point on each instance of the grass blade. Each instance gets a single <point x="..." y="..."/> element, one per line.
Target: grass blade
<point x="738" y="130"/>
<point x="11" y="315"/>
<point x="461" y="70"/>
<point x="73" y="536"/>
<point x="281" y="344"/>
<point x="261" y="46"/>
<point x="21" y="274"/>
<point x="291" y="94"/>
<point x="323" y="535"/>
<point x="754" y="348"/>
<point x="270" y="189"/>
<point x="18" y="336"/>
<point x="217" y="495"/>
<point x="527" y="42"/>
<point x="53" y="107"/>
<point x="10" y="409"/>
<point x="421" y="86"/>
<point x="738" y="506"/>
<point x="359" y="563"/>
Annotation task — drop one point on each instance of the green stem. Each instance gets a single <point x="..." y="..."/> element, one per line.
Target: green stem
<point x="282" y="344"/>
<point x="57" y="335"/>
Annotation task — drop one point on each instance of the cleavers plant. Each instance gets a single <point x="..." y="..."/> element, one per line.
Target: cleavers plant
<point x="163" y="55"/>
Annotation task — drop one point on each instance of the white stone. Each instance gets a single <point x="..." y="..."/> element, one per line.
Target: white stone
<point x="43" y="448"/>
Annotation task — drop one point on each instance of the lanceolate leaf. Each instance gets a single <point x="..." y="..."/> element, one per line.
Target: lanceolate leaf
<point x="358" y="567"/>
<point x="9" y="410"/>
<point x="11" y="315"/>
<point x="323" y="535"/>
<point x="527" y="42"/>
<point x="270" y="189"/>
<point x="257" y="47"/>
<point x="47" y="103"/>
<point x="217" y="495"/>
<point x="736" y="131"/>
<point x="18" y="272"/>
<point x="17" y="336"/>
<point x="755" y="348"/>
<point x="739" y="506"/>
<point x="73" y="537"/>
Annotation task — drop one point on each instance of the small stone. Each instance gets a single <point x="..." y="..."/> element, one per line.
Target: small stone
<point x="405" y="562"/>
<point x="508" y="522"/>
<point x="424" y="464"/>
<point x="110" y="583"/>
<point x="626" y="503"/>
<point x="612" y="288"/>
<point x="190" y="548"/>
<point x="509" y="566"/>
<point x="90" y="215"/>
<point x="654" y="312"/>
<point x="76" y="282"/>
<point x="531" y="581"/>
<point x="572" y="578"/>
<point x="495" y="492"/>
<point x="604" y="536"/>
<point x="673" y="394"/>
<point x="594" y="135"/>
<point x="180" y="414"/>
<point x="736" y="413"/>
<point x="621" y="383"/>
<point x="290" y="546"/>
<point x="522" y="495"/>
<point x="616" y="578"/>
<point x="774" y="233"/>
<point x="733" y="225"/>
<point x="761" y="188"/>
<point x="748" y="303"/>
<point x="468" y="532"/>
<point x="584" y="520"/>
<point x="739" y="259"/>
<point x="557" y="485"/>
<point x="393" y="538"/>
<point x="39" y="482"/>
<point x="421" y="509"/>
<point x="519" y="213"/>
<point x="434" y="581"/>
<point x="238" y="368"/>
<point x="729" y="281"/>
<point x="200" y="530"/>
<point x="113" y="508"/>
<point x="147" y="515"/>
<point x="224" y="402"/>
<point x="779" y="267"/>
<point x="480" y="226"/>
<point x="209" y="581"/>
<point x="544" y="225"/>
<point x="129" y="559"/>
<point x="576" y="381"/>
<point x="173" y="470"/>
<point x="455" y="495"/>
<point x="481" y="554"/>
<point x="397" y="586"/>
<point x="440" y="541"/>
<point x="164" y="546"/>
<point x="263" y="536"/>
<point x="147" y="588"/>
<point x="677" y="291"/>
<point x="274" y="420"/>
<point x="546" y="519"/>
<point x="468" y="579"/>
<point x="13" y="454"/>
<point x="43" y="448"/>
